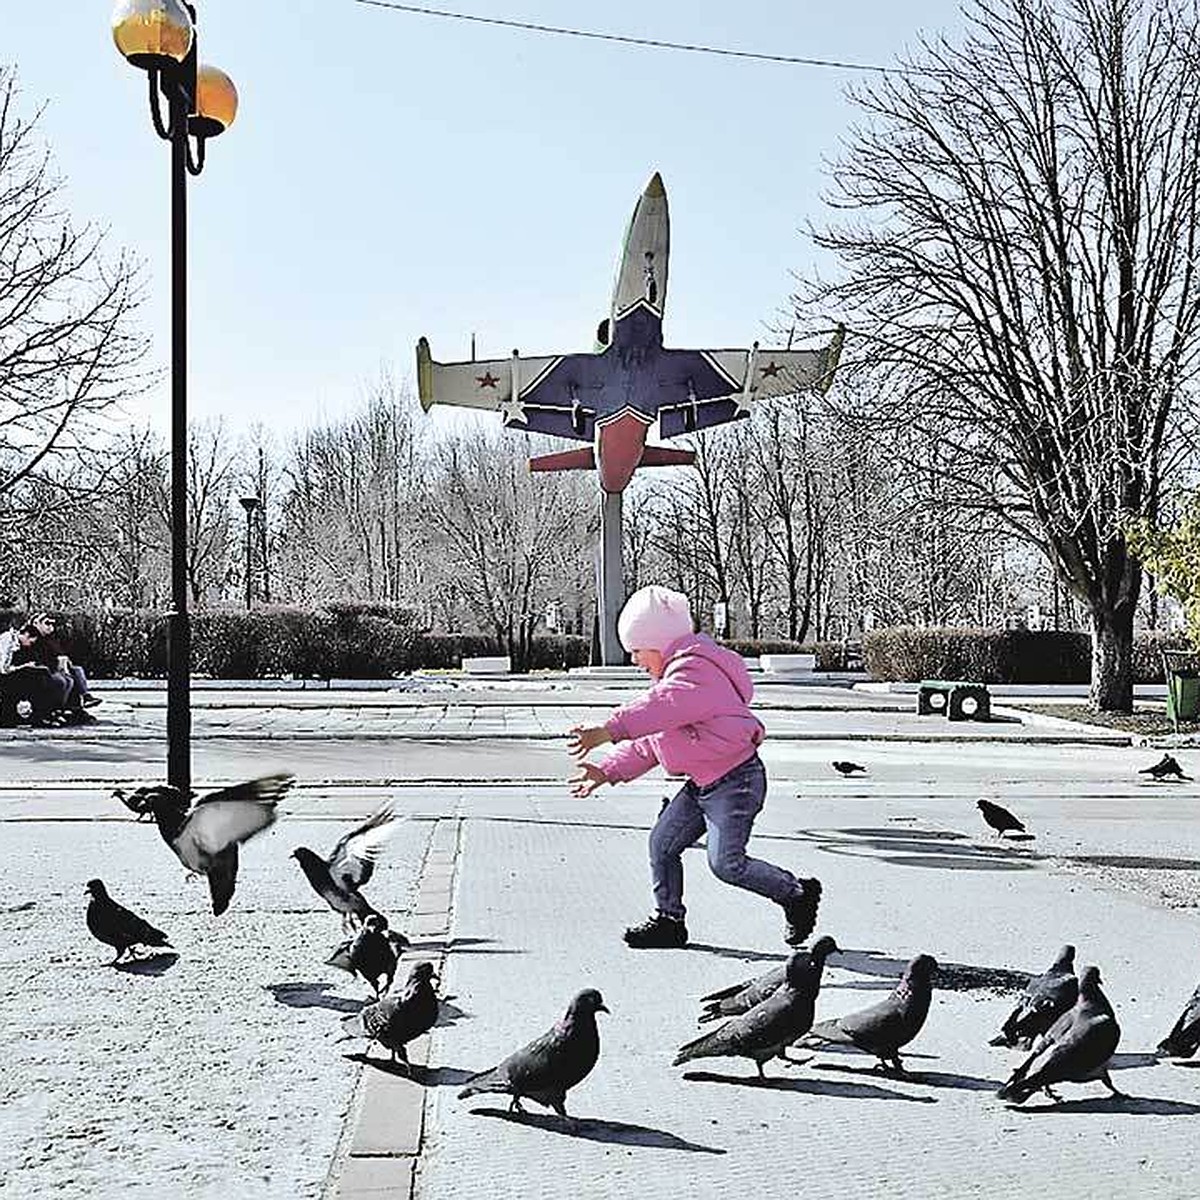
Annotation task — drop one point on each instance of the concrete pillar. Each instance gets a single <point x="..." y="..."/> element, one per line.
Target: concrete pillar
<point x="610" y="584"/>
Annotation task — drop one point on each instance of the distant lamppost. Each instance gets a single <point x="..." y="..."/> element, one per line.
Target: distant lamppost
<point x="159" y="37"/>
<point x="249" y="503"/>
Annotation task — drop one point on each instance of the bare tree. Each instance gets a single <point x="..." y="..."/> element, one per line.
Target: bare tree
<point x="1023" y="276"/>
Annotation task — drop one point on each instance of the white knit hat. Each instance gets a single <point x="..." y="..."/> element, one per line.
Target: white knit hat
<point x="654" y="617"/>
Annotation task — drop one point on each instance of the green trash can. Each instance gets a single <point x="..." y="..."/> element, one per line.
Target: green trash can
<point x="1183" y="695"/>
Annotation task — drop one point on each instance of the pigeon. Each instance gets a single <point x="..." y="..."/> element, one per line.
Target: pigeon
<point x="849" y="768"/>
<point x="1000" y="819"/>
<point x="1166" y="766"/>
<point x="374" y="951"/>
<point x="109" y="922"/>
<point x="884" y="1027"/>
<point x="1182" y="1041"/>
<point x="741" y="997"/>
<point x="205" y="836"/>
<point x="1076" y="1048"/>
<point x="766" y="1030"/>
<point x="395" y="1020"/>
<point x="337" y="879"/>
<point x="551" y="1065"/>
<point x="1044" y="1000"/>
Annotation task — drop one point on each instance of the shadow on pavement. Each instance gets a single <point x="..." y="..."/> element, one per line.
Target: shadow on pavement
<point x="441" y="1076"/>
<point x="968" y="1083"/>
<point x="616" y="1132"/>
<point x="735" y="952"/>
<point x="950" y="977"/>
<point x="312" y="995"/>
<point x="931" y="848"/>
<point x="1133" y="862"/>
<point x="1137" y="1106"/>
<point x="465" y="945"/>
<point x="153" y="964"/>
<point x="1123" y="1062"/>
<point x="450" y="1014"/>
<point x="810" y="1086"/>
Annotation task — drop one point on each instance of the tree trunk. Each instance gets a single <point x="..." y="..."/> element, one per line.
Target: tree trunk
<point x="1112" y="659"/>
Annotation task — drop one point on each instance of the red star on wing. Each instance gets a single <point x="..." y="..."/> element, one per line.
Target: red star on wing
<point x="771" y="370"/>
<point x="487" y="380"/>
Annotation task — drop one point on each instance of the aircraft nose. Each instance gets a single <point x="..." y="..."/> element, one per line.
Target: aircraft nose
<point x="655" y="189"/>
<point x="621" y="442"/>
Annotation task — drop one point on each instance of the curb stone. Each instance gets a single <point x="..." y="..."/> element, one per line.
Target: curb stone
<point x="386" y="1124"/>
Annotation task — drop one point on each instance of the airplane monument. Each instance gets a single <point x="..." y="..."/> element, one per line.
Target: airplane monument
<point x="611" y="397"/>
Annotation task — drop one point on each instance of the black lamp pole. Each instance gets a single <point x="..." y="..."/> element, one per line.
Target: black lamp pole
<point x="249" y="503"/>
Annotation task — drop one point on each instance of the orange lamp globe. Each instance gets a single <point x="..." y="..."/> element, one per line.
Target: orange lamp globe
<point x="216" y="103"/>
<point x="152" y="34"/>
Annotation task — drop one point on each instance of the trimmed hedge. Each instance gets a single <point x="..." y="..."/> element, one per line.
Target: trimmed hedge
<point x="337" y="641"/>
<point x="831" y="656"/>
<point x="906" y="653"/>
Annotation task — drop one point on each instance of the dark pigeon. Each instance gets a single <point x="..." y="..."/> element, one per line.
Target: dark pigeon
<point x="741" y="997"/>
<point x="849" y="768"/>
<point x="549" y="1067"/>
<point x="1000" y="819"/>
<point x="109" y="922"/>
<point x="396" y="1020"/>
<point x="884" y="1028"/>
<point x="766" y="1030"/>
<point x="1075" y="1049"/>
<point x="373" y="953"/>
<point x="1182" y="1041"/>
<point x="205" y="836"/>
<point x="1045" y="1000"/>
<point x="338" y="878"/>
<point x="1167" y="767"/>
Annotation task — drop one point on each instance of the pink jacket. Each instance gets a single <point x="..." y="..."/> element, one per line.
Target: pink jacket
<point x="695" y="720"/>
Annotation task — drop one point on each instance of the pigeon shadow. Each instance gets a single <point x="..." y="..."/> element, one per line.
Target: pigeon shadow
<point x="152" y="965"/>
<point x="613" y="1132"/>
<point x="809" y="1086"/>
<point x="932" y="848"/>
<point x="735" y="952"/>
<point x="440" y="1076"/>
<point x="465" y="945"/>
<point x="946" y="1079"/>
<point x="313" y="995"/>
<point x="1133" y="862"/>
<point x="388" y="1066"/>
<point x="840" y="1048"/>
<point x="1138" y="1106"/>
<point x="1123" y="1062"/>
<point x="450" y="1014"/>
<point x="951" y="977"/>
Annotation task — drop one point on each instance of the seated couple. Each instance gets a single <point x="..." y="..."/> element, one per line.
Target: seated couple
<point x="34" y="668"/>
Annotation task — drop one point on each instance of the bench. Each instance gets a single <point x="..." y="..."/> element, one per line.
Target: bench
<point x="957" y="699"/>
<point x="788" y="664"/>
<point x="496" y="665"/>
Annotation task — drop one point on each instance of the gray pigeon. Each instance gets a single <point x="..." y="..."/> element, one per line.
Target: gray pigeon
<point x="205" y="836"/>
<point x="1076" y="1048"/>
<point x="849" y="768"/>
<point x="884" y="1027"/>
<point x="373" y="953"/>
<point x="1182" y="1041"/>
<point x="999" y="818"/>
<point x="396" y="1020"/>
<point x="766" y="1030"/>
<point x="337" y="879"/>
<point x="742" y="997"/>
<point x="549" y="1067"/>
<point x="1045" y="1000"/>
<point x="1166" y="767"/>
<point x="115" y="925"/>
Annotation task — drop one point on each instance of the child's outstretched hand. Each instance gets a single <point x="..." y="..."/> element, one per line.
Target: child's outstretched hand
<point x="587" y="781"/>
<point x="585" y="739"/>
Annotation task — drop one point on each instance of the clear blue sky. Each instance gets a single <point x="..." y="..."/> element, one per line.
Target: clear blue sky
<point x="393" y="175"/>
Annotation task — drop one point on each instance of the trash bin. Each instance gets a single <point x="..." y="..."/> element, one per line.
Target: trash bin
<point x="1183" y="695"/>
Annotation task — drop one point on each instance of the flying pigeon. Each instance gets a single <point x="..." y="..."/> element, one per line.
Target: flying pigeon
<point x="884" y="1027"/>
<point x="741" y="997"/>
<point x="1182" y="1041"/>
<point x="1166" y="766"/>
<point x="766" y="1030"/>
<point x="374" y="951"/>
<point x="205" y="836"/>
<point x="1000" y="819"/>
<point x="1044" y="1000"/>
<point x="549" y="1067"/>
<point x="395" y="1020"/>
<point x="337" y="879"/>
<point x="109" y="922"/>
<point x="1076" y="1048"/>
<point x="849" y="768"/>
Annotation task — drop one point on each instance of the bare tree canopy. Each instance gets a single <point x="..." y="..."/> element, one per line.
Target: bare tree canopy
<point x="1020" y="272"/>
<point x="69" y="349"/>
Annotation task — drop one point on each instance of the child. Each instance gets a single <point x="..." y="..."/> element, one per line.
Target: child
<point x="696" y="721"/>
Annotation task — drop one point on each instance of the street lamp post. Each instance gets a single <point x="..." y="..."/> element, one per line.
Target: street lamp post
<point x="159" y="37"/>
<point x="249" y="503"/>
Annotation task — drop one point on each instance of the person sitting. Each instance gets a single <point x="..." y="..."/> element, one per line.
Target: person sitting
<point x="22" y="677"/>
<point x="45" y="627"/>
<point x="42" y="649"/>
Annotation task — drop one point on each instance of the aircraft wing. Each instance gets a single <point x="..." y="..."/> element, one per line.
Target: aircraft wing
<point x="719" y="390"/>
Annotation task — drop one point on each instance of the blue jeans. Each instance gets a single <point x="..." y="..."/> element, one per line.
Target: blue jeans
<point x="725" y="810"/>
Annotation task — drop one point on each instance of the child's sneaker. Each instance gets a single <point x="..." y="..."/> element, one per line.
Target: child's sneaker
<point x="658" y="933"/>
<point x="800" y="912"/>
